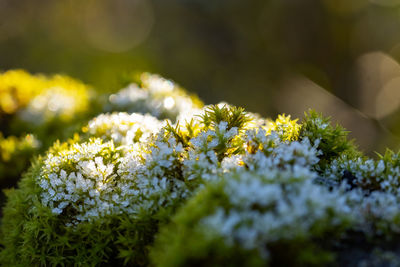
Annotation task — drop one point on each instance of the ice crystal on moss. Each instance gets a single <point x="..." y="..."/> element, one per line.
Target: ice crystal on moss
<point x="123" y="128"/>
<point x="265" y="209"/>
<point x="155" y="95"/>
<point x="80" y="181"/>
<point x="226" y="186"/>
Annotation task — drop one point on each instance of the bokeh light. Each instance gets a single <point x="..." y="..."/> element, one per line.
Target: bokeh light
<point x="118" y="25"/>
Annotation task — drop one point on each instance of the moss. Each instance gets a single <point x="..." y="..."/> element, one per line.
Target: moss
<point x="331" y="140"/>
<point x="188" y="240"/>
<point x="286" y="128"/>
<point x="32" y="234"/>
<point x="57" y="225"/>
<point x="46" y="107"/>
<point x="61" y="102"/>
<point x="35" y="236"/>
<point x="226" y="187"/>
<point x="150" y="93"/>
<point x="122" y="128"/>
<point x="32" y="103"/>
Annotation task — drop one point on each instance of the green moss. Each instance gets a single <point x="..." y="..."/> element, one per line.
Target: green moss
<point x="34" y="235"/>
<point x="286" y="128"/>
<point x="332" y="140"/>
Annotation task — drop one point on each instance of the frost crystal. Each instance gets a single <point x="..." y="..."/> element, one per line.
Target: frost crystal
<point x="157" y="96"/>
<point x="123" y="128"/>
<point x="265" y="209"/>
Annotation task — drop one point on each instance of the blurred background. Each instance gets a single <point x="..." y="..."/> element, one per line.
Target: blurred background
<point x="340" y="57"/>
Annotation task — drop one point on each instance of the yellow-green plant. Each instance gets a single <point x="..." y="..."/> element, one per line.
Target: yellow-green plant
<point x="15" y="157"/>
<point x="46" y="107"/>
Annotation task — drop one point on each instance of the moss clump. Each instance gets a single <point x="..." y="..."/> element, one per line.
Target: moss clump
<point x="123" y="128"/>
<point x="277" y="204"/>
<point x="150" y="93"/>
<point x="332" y="140"/>
<point x="47" y="107"/>
<point x="33" y="235"/>
<point x="71" y="208"/>
<point x="249" y="219"/>
<point x="39" y="104"/>
<point x="57" y="109"/>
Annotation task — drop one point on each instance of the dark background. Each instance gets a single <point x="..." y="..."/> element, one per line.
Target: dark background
<point x="270" y="56"/>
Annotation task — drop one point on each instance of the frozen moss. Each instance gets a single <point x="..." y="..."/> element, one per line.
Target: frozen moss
<point x="122" y="128"/>
<point x="155" y="95"/>
<point x="333" y="141"/>
<point x="252" y="219"/>
<point x="116" y="195"/>
<point x="225" y="187"/>
<point x="73" y="207"/>
<point x="277" y="204"/>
